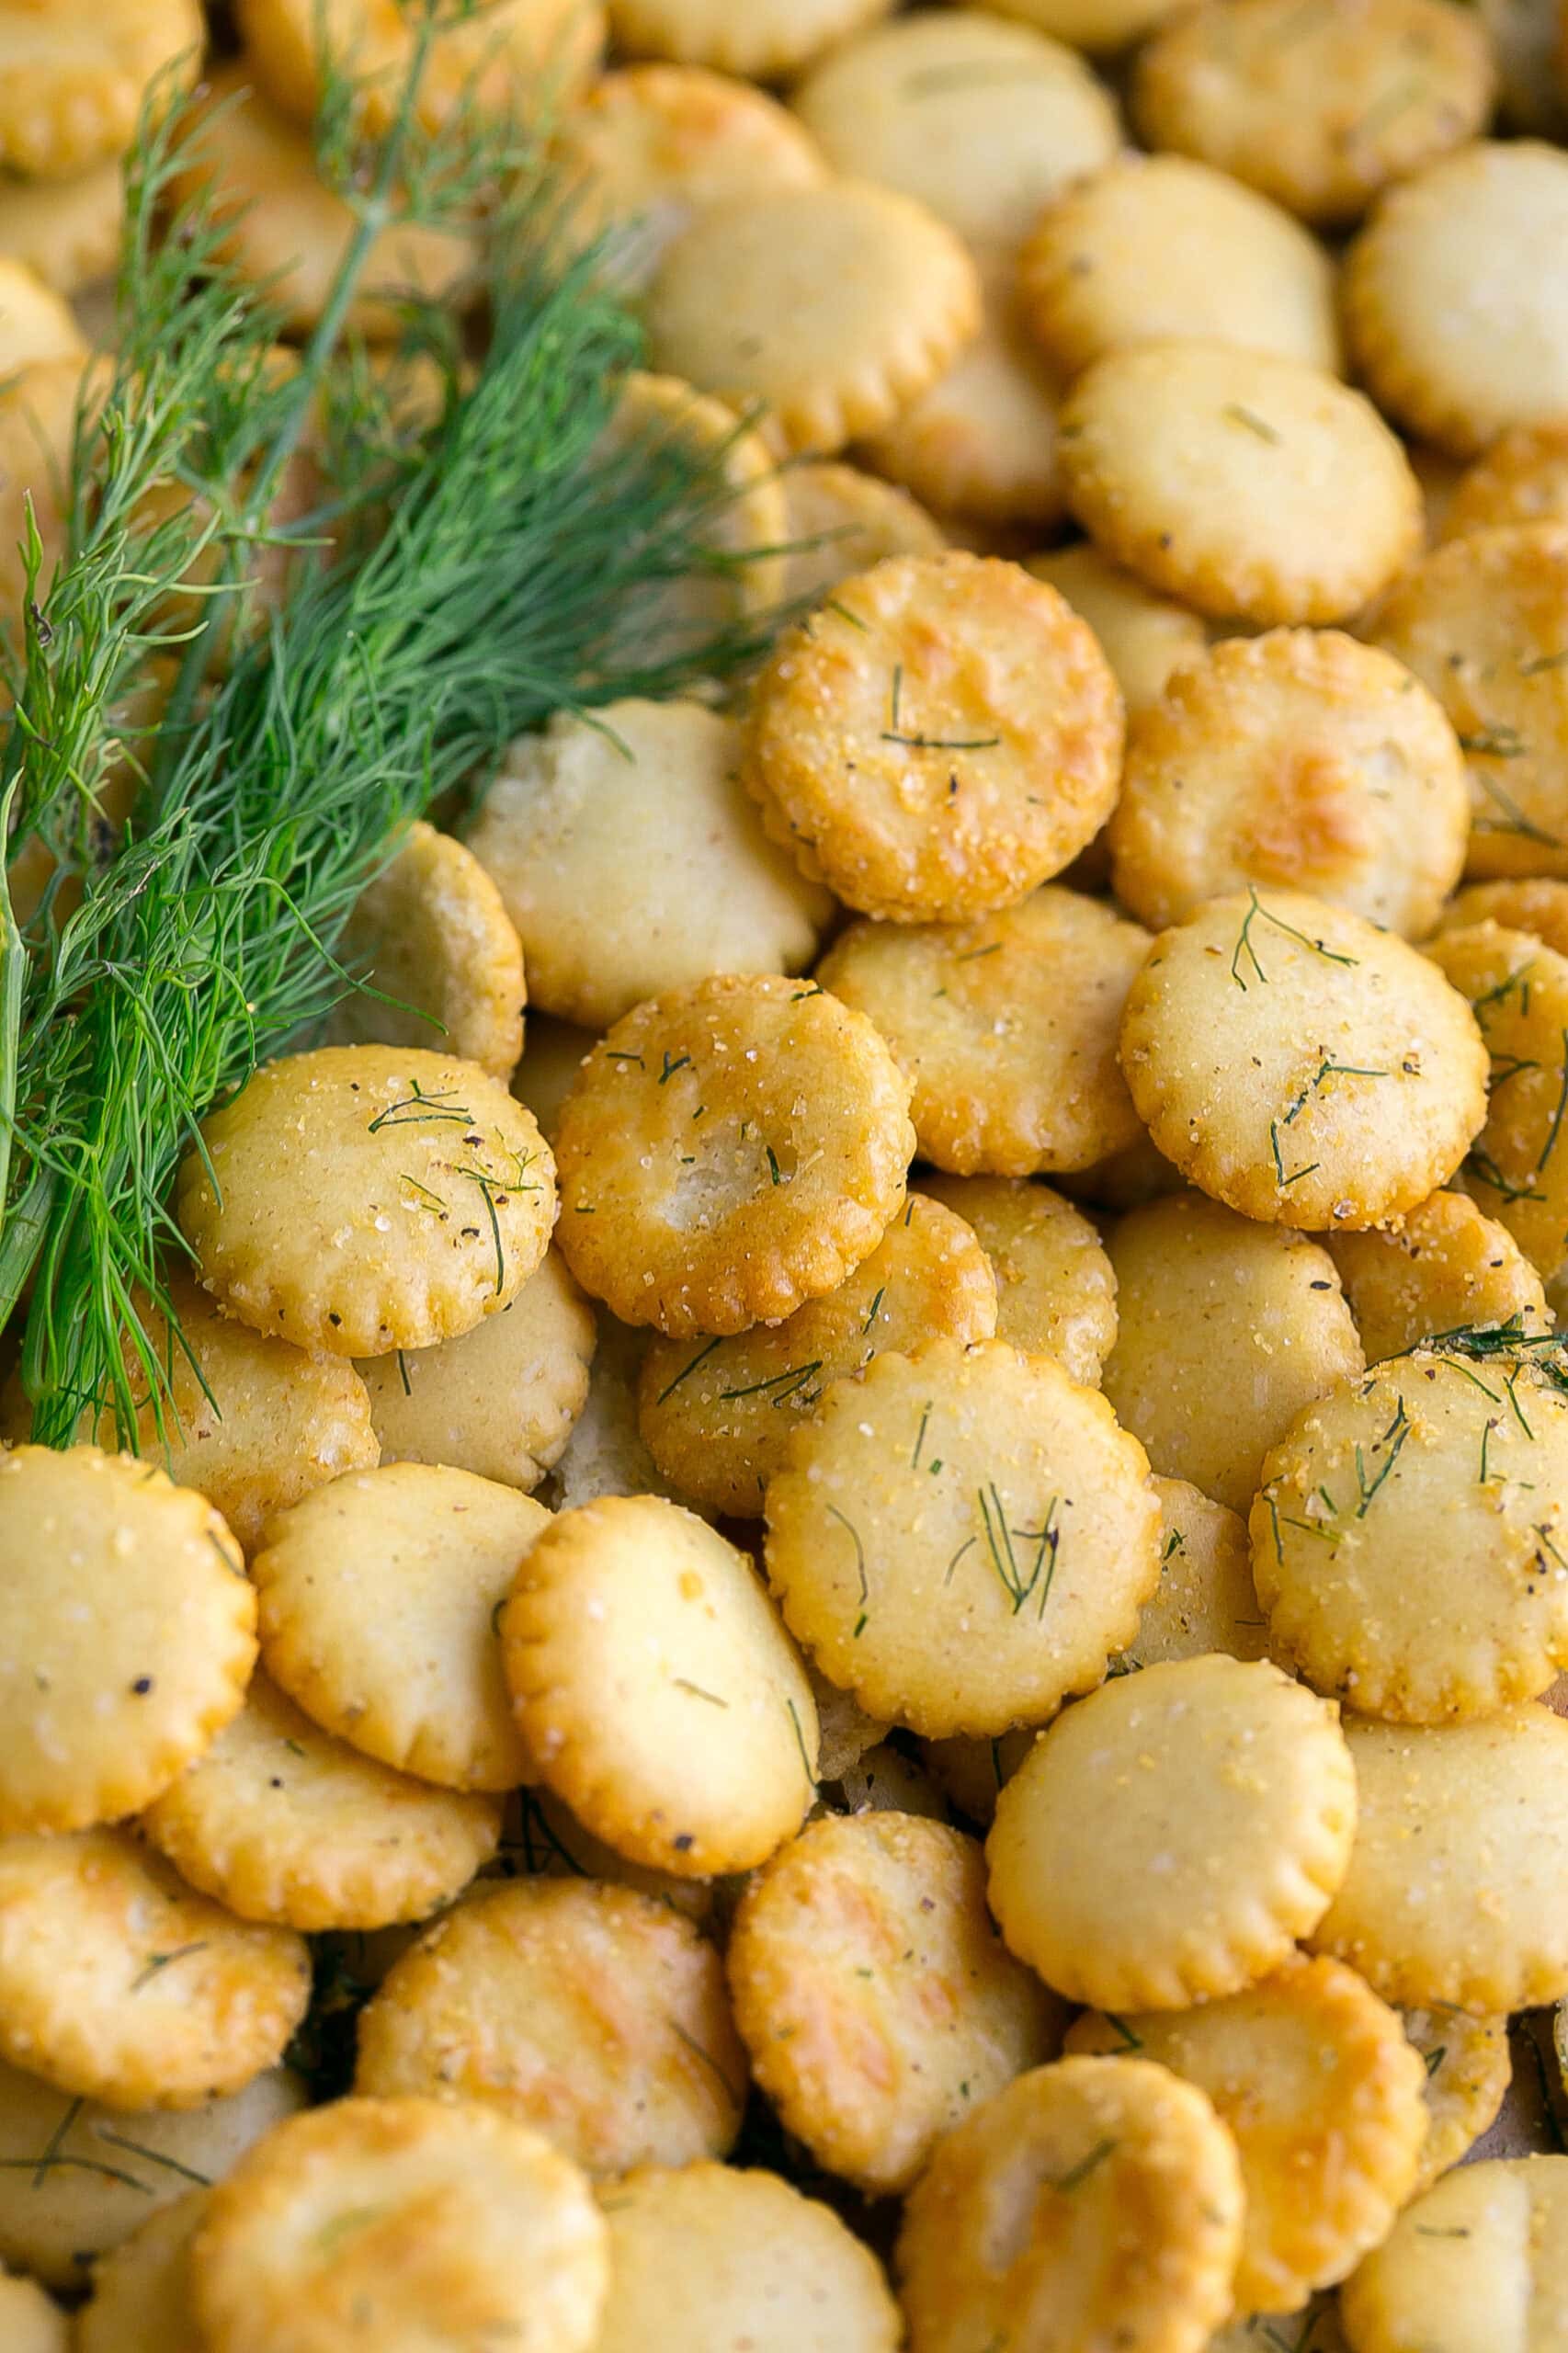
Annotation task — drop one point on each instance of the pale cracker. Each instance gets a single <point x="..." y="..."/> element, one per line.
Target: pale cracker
<point x="1169" y="1838"/>
<point x="1055" y="1288"/>
<point x="77" y="2178"/>
<point x="1226" y="1329"/>
<point x="708" y="2254"/>
<point x="1160" y="245"/>
<point x="874" y="1996"/>
<point x="119" y="1984"/>
<point x="962" y="1537"/>
<point x="104" y="1706"/>
<point x="362" y="1199"/>
<point x="1301" y="1065"/>
<point x="656" y="1691"/>
<point x="431" y="934"/>
<point x="1006" y="1027"/>
<point x="632" y="861"/>
<point x="1239" y="481"/>
<point x="831" y="307"/>
<point x="502" y="1399"/>
<point x="378" y="1602"/>
<point x="595" y="2014"/>
<point x="1462" y="1843"/>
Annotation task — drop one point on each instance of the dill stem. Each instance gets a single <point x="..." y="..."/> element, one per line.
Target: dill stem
<point x="372" y="215"/>
<point x="14" y="968"/>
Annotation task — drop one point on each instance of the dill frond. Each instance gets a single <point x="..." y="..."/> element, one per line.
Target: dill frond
<point x="515" y="568"/>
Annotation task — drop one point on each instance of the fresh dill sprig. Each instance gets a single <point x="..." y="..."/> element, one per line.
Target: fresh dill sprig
<point x="1244" y="946"/>
<point x="519" y="565"/>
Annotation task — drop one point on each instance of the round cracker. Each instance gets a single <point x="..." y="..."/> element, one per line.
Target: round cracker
<point x="1056" y="1290"/>
<point x="1410" y="1543"/>
<point x="1169" y="1838"/>
<point x="1487" y="2246"/>
<point x="76" y="2179"/>
<point x="1454" y="294"/>
<point x="842" y="521"/>
<point x="830" y="307"/>
<point x="1093" y="2199"/>
<point x="1483" y="622"/>
<point x="1298" y="760"/>
<point x="981" y="441"/>
<point x="702" y="2255"/>
<point x="1142" y="636"/>
<point x="983" y="121"/>
<point x="280" y="1822"/>
<point x="250" y="1422"/>
<point x="1225" y="1331"/>
<point x="35" y="323"/>
<point x="962" y="1537"/>
<point x="502" y="1399"/>
<point x="119" y="1984"/>
<point x="940" y="737"/>
<point x="1521" y="477"/>
<point x="1467" y="2065"/>
<point x="431" y="934"/>
<point x="648" y="148"/>
<point x="717" y="1415"/>
<point x="399" y="2222"/>
<point x="105" y="1707"/>
<point x="1006" y="1027"/>
<point x="876" y="2000"/>
<point x="380" y="1597"/>
<point x="76" y="76"/>
<point x="1159" y="246"/>
<point x="1300" y="1065"/>
<point x="1315" y="2078"/>
<point x="594" y="2014"/>
<point x="1517" y="988"/>
<point x="1319" y="111"/>
<point x="729" y="1151"/>
<point x="1205" y="1600"/>
<point x="632" y="862"/>
<point x="656" y="1691"/>
<point x="362" y="1199"/>
<point x="1461" y="1847"/>
<point x="1237" y="481"/>
<point x="142" y="2288"/>
<point x="1445" y="1267"/>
